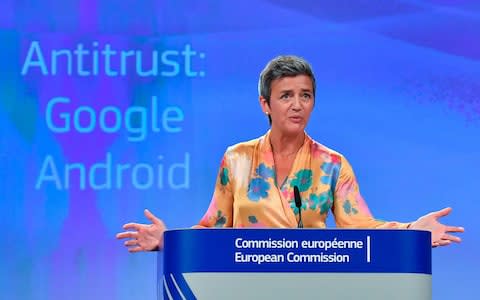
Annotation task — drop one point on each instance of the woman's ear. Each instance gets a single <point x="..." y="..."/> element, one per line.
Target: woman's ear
<point x="264" y="105"/>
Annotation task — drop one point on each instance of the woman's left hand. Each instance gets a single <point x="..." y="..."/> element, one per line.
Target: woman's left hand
<point x="440" y="233"/>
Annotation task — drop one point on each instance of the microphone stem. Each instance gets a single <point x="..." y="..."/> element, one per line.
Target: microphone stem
<point x="300" y="223"/>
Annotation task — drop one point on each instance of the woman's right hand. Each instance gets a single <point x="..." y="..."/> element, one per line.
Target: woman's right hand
<point x="144" y="237"/>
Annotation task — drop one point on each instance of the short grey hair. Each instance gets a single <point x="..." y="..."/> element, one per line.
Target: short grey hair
<point x="283" y="66"/>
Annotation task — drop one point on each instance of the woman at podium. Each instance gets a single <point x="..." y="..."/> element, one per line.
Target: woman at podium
<point x="257" y="179"/>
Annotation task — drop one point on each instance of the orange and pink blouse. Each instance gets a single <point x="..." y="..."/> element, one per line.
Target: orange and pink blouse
<point x="246" y="194"/>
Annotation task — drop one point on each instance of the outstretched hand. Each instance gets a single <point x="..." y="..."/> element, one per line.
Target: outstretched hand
<point x="144" y="237"/>
<point x="440" y="233"/>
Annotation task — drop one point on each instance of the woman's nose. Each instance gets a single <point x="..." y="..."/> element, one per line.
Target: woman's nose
<point x="296" y="104"/>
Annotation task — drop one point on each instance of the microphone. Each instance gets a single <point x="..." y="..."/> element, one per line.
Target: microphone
<point x="298" y="204"/>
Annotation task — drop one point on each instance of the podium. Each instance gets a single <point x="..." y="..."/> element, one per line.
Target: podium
<point x="296" y="264"/>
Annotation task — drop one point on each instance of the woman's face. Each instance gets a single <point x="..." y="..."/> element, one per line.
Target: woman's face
<point x="291" y="102"/>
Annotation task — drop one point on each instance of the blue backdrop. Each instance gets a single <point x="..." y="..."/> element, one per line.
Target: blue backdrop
<point x="109" y="107"/>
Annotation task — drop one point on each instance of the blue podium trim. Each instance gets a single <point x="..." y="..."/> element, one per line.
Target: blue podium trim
<point x="297" y="250"/>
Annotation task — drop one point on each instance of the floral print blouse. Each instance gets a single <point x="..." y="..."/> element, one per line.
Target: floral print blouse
<point x="246" y="194"/>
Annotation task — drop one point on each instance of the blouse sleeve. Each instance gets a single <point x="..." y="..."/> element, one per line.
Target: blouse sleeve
<point x="349" y="208"/>
<point x="220" y="210"/>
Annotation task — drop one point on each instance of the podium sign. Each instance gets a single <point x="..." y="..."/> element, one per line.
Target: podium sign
<point x="296" y="264"/>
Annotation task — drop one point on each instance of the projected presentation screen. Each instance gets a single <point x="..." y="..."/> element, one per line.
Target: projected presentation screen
<point x="111" y="107"/>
